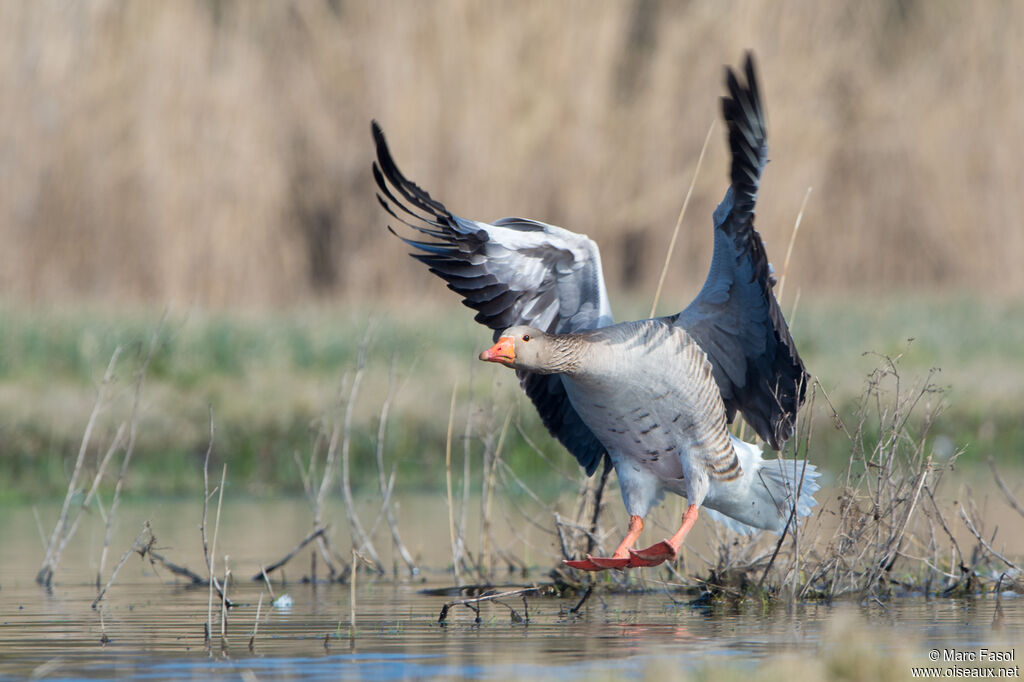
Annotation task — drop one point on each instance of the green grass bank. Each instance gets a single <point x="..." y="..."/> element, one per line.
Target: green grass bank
<point x="278" y="383"/>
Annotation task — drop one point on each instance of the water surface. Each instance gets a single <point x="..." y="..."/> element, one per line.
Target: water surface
<point x="150" y="626"/>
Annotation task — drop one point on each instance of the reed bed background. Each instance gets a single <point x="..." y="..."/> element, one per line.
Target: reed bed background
<point x="217" y="153"/>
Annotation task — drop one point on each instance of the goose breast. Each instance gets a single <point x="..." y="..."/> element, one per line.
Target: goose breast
<point x="647" y="392"/>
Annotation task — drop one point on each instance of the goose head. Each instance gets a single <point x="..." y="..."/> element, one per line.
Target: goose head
<point x="530" y="349"/>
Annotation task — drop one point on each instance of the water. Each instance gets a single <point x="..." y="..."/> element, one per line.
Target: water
<point x="150" y="627"/>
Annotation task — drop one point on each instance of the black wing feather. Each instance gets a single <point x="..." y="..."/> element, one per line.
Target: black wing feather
<point x="736" y="317"/>
<point x="459" y="256"/>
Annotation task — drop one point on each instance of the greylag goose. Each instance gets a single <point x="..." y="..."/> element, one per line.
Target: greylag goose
<point x="655" y="397"/>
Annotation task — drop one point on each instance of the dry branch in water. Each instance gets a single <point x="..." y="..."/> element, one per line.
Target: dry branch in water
<point x="62" y="532"/>
<point x="262" y="575"/>
<point x="360" y="539"/>
<point x="177" y="569"/>
<point x="984" y="543"/>
<point x="857" y="544"/>
<point x="255" y="624"/>
<point x="207" y="552"/>
<point x="129" y="449"/>
<point x="140" y="547"/>
<point x="1010" y="498"/>
<point x="473" y="603"/>
<point x="880" y="509"/>
<point x="456" y="545"/>
<point x="387" y="484"/>
<point x="224" y="606"/>
<point x="317" y="497"/>
<point x="211" y="553"/>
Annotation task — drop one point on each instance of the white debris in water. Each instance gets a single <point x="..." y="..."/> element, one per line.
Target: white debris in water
<point x="283" y="602"/>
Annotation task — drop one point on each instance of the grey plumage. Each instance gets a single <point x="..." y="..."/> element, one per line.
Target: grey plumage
<point x="729" y="351"/>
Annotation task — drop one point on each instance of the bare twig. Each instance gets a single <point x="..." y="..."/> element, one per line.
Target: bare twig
<point x="133" y="421"/>
<point x="176" y="569"/>
<point x="385" y="486"/>
<point x="352" y="596"/>
<point x="552" y="464"/>
<point x="890" y="478"/>
<point x="206" y="494"/>
<point x="598" y="495"/>
<point x="139" y="547"/>
<point x="207" y="554"/>
<point x="256" y="624"/>
<point x="467" y="437"/>
<point x="224" y="605"/>
<point x="792" y="241"/>
<point x="984" y="543"/>
<point x="317" y="499"/>
<point x="448" y="482"/>
<point x="360" y="539"/>
<point x="210" y="559"/>
<point x="778" y="546"/>
<point x="97" y="478"/>
<point x="1003" y="487"/>
<point x="330" y="459"/>
<point x="262" y="575"/>
<point x="492" y="457"/>
<point x="474" y="602"/>
<point x="679" y="221"/>
<point x="583" y="600"/>
<point x="792" y="310"/>
<point x="55" y="546"/>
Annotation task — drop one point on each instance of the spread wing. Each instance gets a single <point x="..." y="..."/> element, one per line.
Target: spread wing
<point x="735" y="317"/>
<point x="513" y="271"/>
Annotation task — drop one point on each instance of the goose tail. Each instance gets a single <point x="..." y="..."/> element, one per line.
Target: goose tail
<point x="769" y="493"/>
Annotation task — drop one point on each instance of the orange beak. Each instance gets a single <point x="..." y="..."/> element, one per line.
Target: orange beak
<point x="503" y="352"/>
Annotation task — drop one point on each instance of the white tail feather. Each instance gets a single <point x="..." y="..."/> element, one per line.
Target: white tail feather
<point x="763" y="498"/>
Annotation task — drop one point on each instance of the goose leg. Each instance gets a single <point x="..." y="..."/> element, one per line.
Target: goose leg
<point x="666" y="550"/>
<point x="620" y="559"/>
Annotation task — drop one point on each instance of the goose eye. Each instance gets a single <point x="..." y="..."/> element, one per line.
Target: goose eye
<point x="526" y="337"/>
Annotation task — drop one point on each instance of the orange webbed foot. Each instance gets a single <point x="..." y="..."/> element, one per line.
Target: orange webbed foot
<point x="598" y="563"/>
<point x="655" y="555"/>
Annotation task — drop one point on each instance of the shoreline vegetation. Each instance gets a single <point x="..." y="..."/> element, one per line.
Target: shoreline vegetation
<point x="271" y="379"/>
<point x="348" y="406"/>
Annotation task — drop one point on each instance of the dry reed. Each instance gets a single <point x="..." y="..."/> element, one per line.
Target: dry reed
<point x="129" y="448"/>
<point x="387" y="484"/>
<point x="679" y="221"/>
<point x="71" y="513"/>
<point x="473" y="603"/>
<point x="249" y="183"/>
<point x="361" y="540"/>
<point x="211" y="554"/>
<point x="256" y="624"/>
<point x="878" y="537"/>
<point x="140" y="546"/>
<point x="456" y="555"/>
